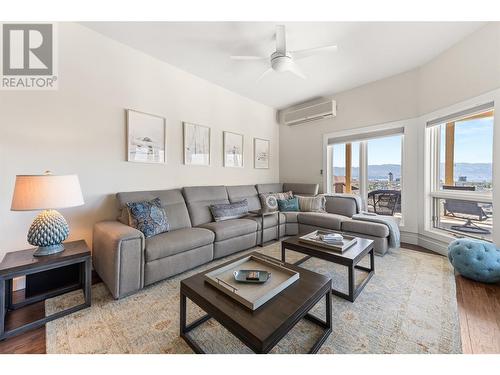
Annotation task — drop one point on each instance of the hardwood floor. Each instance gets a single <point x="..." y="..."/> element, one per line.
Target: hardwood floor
<point x="478" y="309"/>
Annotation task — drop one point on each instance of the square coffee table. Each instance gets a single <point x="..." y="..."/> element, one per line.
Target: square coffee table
<point x="263" y="328"/>
<point x="349" y="258"/>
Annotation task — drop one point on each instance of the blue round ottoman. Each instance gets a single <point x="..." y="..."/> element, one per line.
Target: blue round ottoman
<point x="475" y="259"/>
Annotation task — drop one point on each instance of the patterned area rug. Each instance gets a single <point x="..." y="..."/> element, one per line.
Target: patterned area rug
<point x="409" y="306"/>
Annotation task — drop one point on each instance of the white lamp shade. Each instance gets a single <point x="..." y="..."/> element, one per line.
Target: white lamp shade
<point x="41" y="192"/>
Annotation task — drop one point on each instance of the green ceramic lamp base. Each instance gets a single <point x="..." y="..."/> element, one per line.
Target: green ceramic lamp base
<point x="48" y="231"/>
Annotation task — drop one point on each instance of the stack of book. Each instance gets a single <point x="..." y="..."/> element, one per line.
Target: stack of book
<point x="332" y="238"/>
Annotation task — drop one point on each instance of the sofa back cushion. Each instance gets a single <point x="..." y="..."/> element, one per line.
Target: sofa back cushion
<point x="198" y="201"/>
<point x="301" y="189"/>
<point x="269" y="188"/>
<point x="172" y="202"/>
<point x="341" y="205"/>
<point x="248" y="192"/>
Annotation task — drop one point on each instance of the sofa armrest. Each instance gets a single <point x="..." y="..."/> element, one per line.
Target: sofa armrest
<point x="118" y="257"/>
<point x="341" y="205"/>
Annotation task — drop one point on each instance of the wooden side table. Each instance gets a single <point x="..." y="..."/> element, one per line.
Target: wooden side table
<point x="23" y="263"/>
<point x="262" y="214"/>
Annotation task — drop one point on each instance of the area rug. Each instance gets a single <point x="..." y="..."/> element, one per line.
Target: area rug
<point x="409" y="306"/>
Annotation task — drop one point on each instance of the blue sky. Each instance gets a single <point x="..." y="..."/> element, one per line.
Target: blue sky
<point x="385" y="150"/>
<point x="473" y="141"/>
<point x="473" y="144"/>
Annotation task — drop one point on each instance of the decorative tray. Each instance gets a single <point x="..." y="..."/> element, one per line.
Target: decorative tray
<point x="252" y="295"/>
<point x="314" y="239"/>
<point x="252" y="276"/>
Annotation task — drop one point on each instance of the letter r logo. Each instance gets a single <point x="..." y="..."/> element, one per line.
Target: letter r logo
<point x="27" y="49"/>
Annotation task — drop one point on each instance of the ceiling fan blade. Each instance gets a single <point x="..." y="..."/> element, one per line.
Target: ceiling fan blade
<point x="249" y="57"/>
<point x="280" y="39"/>
<point x="303" y="53"/>
<point x="294" y="68"/>
<point x="264" y="74"/>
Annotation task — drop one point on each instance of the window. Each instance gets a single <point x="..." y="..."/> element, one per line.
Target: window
<point x="461" y="177"/>
<point x="369" y="165"/>
<point x="384" y="175"/>
<point x="346" y="168"/>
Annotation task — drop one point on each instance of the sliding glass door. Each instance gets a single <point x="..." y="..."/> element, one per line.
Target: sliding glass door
<point x="369" y="165"/>
<point x="384" y="175"/>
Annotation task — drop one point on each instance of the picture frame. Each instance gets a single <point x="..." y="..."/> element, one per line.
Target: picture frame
<point x="197" y="144"/>
<point x="146" y="137"/>
<point x="261" y="149"/>
<point x="233" y="144"/>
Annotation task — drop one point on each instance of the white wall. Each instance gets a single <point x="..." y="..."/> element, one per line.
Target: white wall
<point x="466" y="70"/>
<point x="80" y="129"/>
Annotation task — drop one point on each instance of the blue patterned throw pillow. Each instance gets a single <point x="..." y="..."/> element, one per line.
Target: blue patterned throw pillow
<point x="227" y="211"/>
<point x="288" y="205"/>
<point x="148" y="216"/>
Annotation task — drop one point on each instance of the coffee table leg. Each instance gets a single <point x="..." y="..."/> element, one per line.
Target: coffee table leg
<point x="283" y="249"/>
<point x="352" y="281"/>
<point x="185" y="328"/>
<point x="326" y="325"/>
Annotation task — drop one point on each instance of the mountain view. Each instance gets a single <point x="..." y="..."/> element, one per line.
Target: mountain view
<point x="476" y="172"/>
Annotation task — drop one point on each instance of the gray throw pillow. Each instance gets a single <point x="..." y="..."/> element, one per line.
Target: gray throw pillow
<point x="228" y="211"/>
<point x="312" y="204"/>
<point x="269" y="201"/>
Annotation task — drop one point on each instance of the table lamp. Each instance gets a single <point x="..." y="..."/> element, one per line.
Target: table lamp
<point x="47" y="192"/>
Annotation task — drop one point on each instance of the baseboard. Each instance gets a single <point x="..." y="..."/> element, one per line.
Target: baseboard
<point x="437" y="246"/>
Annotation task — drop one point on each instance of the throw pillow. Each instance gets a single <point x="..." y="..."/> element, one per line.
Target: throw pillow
<point x="288" y="205"/>
<point x="269" y="201"/>
<point x="148" y="216"/>
<point x="312" y="204"/>
<point x="227" y="211"/>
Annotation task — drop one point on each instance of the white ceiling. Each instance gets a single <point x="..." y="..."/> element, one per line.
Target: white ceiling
<point x="368" y="51"/>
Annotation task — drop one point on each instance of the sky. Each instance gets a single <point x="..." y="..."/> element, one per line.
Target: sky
<point x="473" y="144"/>
<point x="473" y="141"/>
<point x="385" y="150"/>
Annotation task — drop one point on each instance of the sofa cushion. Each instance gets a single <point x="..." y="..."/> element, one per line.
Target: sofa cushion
<point x="342" y="205"/>
<point x="177" y="241"/>
<point x="365" y="227"/>
<point x="148" y="216"/>
<point x="248" y="192"/>
<point x="269" y="220"/>
<point x="291" y="217"/>
<point x="172" y="202"/>
<point x="288" y="205"/>
<point x="269" y="201"/>
<point x="269" y="188"/>
<point x="302" y="189"/>
<point x="198" y="201"/>
<point x="321" y="219"/>
<point x="228" y="211"/>
<point x="231" y="228"/>
<point x="311" y="204"/>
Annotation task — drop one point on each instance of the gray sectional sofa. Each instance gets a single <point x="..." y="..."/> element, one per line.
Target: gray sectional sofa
<point x="127" y="262"/>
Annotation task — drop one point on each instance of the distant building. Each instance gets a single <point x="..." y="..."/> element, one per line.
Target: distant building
<point x="391" y="177"/>
<point x="462" y="179"/>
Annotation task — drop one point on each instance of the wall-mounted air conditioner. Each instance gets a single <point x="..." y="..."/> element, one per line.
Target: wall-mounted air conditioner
<point x="308" y="112"/>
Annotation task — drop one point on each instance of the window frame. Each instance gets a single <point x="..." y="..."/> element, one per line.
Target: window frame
<point x="363" y="158"/>
<point x="432" y="172"/>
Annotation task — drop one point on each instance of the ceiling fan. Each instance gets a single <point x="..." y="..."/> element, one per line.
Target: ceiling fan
<point x="283" y="60"/>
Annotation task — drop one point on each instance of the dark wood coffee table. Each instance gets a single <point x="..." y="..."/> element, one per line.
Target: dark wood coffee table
<point x="263" y="328"/>
<point x="349" y="258"/>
